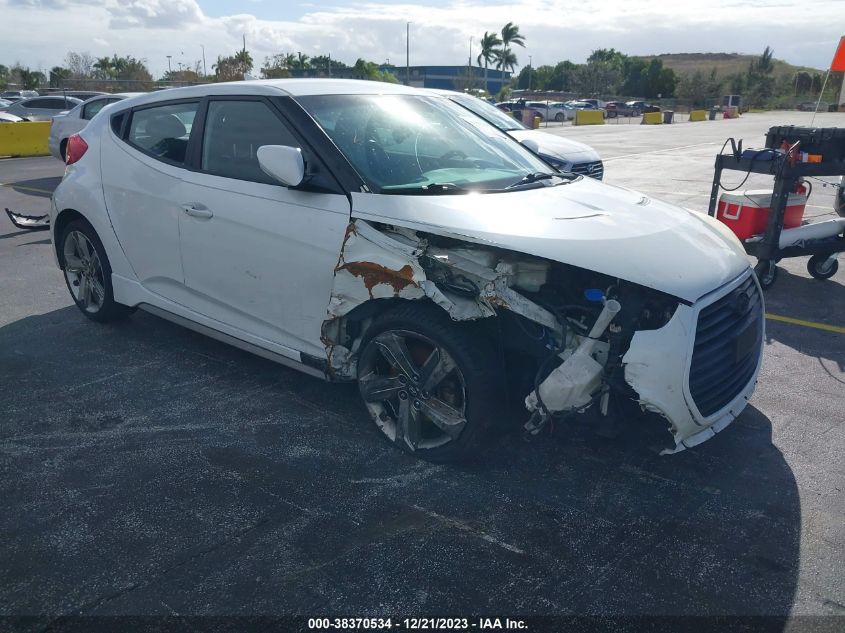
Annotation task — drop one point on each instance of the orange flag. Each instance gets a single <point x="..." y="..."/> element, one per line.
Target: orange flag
<point x="838" y="62"/>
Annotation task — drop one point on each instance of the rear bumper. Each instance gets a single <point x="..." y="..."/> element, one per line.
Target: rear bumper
<point x="657" y="367"/>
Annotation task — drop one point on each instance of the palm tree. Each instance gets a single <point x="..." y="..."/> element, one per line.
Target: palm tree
<point x="243" y="62"/>
<point x="103" y="66"/>
<point x="488" y="51"/>
<point x="510" y="35"/>
<point x="505" y="60"/>
<point x="302" y="60"/>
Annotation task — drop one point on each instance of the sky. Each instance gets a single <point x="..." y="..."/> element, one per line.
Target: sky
<point x="38" y="33"/>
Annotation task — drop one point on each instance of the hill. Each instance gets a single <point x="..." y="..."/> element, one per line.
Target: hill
<point x="725" y="64"/>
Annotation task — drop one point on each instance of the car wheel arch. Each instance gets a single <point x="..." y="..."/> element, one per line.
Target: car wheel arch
<point x="65" y="217"/>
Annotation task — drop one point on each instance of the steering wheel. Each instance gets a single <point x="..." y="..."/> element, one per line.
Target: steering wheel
<point x="454" y="154"/>
<point x="378" y="159"/>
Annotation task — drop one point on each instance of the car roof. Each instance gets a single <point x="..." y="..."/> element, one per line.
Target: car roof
<point x="63" y="98"/>
<point x="280" y="87"/>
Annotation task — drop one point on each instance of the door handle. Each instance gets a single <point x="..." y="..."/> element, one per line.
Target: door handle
<point x="198" y="211"/>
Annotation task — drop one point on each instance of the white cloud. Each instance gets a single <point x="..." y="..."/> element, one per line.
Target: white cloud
<point x="153" y="14"/>
<point x="153" y="29"/>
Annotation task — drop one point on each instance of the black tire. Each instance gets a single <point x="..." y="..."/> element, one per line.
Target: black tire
<point x="472" y="388"/>
<point x="766" y="274"/>
<point x="560" y="116"/>
<point x="817" y="268"/>
<point x="108" y="309"/>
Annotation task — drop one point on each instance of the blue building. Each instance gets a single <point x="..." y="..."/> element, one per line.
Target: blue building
<point x="442" y="77"/>
<point x="452" y="77"/>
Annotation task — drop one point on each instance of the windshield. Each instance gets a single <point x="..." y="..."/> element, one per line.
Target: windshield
<point x="416" y="144"/>
<point x="488" y="112"/>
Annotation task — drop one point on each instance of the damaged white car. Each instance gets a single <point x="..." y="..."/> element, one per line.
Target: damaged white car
<point x="370" y="232"/>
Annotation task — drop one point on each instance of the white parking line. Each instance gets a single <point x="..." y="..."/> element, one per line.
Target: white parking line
<point x="660" y="151"/>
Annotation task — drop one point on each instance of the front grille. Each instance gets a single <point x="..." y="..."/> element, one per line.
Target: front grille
<point x="594" y="169"/>
<point x="728" y="341"/>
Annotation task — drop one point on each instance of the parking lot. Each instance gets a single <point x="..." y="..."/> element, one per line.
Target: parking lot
<point x="147" y="469"/>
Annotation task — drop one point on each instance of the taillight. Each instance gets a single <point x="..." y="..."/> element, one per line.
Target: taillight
<point x="76" y="148"/>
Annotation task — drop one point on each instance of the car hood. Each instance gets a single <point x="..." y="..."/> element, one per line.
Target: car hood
<point x="585" y="223"/>
<point x="557" y="146"/>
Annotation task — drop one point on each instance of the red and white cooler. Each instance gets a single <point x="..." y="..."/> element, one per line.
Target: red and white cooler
<point x="747" y="213"/>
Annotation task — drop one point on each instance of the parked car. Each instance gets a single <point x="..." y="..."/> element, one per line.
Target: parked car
<point x="586" y="105"/>
<point x="4" y="103"/>
<point x="41" y="108"/>
<point x="642" y="106"/>
<point x="810" y="106"/>
<point x="552" y="110"/>
<point x="18" y="94"/>
<point x="562" y="153"/>
<point x="379" y="233"/>
<point x="5" y="117"/>
<point x="620" y="108"/>
<point x="66" y="124"/>
<point x="597" y="104"/>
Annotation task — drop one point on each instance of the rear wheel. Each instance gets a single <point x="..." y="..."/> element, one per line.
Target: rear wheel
<point x="560" y="116"/>
<point x="431" y="385"/>
<point x="88" y="273"/>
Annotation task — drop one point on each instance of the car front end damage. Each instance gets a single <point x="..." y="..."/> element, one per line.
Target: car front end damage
<point x="570" y="338"/>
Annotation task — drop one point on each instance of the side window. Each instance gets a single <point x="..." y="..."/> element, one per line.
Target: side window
<point x="93" y="107"/>
<point x="234" y="130"/>
<point x="40" y="103"/>
<point x="163" y="131"/>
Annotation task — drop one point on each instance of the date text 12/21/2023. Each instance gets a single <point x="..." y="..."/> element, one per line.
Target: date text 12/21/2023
<point x="416" y="624"/>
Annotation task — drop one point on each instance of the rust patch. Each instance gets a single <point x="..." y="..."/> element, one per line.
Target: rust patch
<point x="373" y="274"/>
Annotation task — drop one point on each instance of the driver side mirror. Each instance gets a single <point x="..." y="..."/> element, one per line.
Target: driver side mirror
<point x="531" y="144"/>
<point x="282" y="162"/>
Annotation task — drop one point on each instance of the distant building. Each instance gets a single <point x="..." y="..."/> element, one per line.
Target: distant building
<point x="442" y="77"/>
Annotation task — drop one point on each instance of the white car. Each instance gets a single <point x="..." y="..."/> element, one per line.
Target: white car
<point x="68" y="123"/>
<point x="553" y="110"/>
<point x="366" y="231"/>
<point x="560" y="152"/>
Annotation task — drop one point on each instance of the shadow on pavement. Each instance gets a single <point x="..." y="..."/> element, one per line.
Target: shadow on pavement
<point x="810" y="300"/>
<point x="39" y="187"/>
<point x="151" y="470"/>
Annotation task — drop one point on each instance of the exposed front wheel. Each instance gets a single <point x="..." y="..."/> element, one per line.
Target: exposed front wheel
<point x="88" y="273"/>
<point x="431" y="385"/>
<point x="560" y="116"/>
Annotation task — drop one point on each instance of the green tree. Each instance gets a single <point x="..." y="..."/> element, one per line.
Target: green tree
<point x="505" y="57"/>
<point x="58" y="76"/>
<point x="233" y="67"/>
<point x="759" y="80"/>
<point x="301" y="61"/>
<point x="4" y="76"/>
<point x="563" y="76"/>
<point x="489" y="47"/>
<point x="275" y="67"/>
<point x="370" y="70"/>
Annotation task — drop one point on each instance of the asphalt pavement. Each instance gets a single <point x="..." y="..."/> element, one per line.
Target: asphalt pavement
<point x="150" y="470"/>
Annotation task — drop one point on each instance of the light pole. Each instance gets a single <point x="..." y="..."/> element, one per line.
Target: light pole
<point x="169" y="69"/>
<point x="530" y="70"/>
<point x="407" y="53"/>
<point x="204" y="72"/>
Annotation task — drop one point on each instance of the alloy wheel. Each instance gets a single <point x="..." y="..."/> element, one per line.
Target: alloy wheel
<point x="414" y="390"/>
<point x="84" y="272"/>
